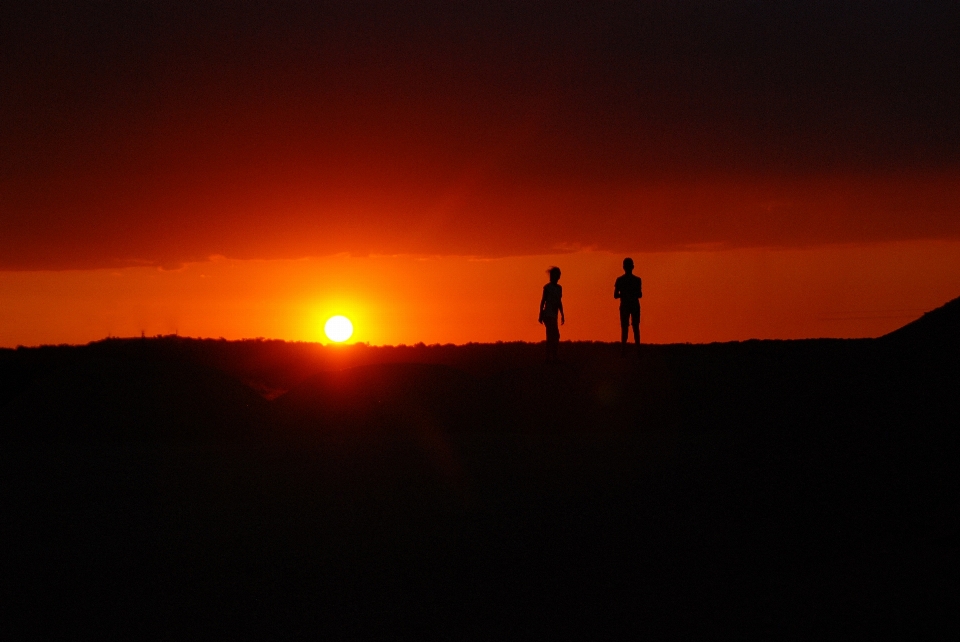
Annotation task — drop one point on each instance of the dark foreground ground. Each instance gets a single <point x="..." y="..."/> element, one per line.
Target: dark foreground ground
<point x="181" y="489"/>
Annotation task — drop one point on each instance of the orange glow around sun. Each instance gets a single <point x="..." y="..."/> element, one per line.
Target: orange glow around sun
<point x="696" y="296"/>
<point x="778" y="173"/>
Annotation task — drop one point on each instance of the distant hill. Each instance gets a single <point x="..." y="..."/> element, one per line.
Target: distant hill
<point x="940" y="326"/>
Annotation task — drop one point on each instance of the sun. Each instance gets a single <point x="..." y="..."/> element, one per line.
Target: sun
<point x="338" y="328"/>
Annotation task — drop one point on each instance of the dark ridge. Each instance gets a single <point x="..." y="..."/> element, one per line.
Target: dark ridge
<point x="939" y="326"/>
<point x="406" y="397"/>
<point x="762" y="488"/>
<point x="130" y="391"/>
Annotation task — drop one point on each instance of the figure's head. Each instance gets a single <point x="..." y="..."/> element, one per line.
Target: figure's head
<point x="628" y="264"/>
<point x="554" y="273"/>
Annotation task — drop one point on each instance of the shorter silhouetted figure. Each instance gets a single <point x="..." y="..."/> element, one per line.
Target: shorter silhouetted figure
<point x="628" y="290"/>
<point x="550" y="305"/>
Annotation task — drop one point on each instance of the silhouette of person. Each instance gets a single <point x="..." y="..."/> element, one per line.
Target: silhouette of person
<point x="550" y="305"/>
<point x="628" y="290"/>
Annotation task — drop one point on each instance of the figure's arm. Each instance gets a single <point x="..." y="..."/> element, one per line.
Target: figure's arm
<point x="562" y="318"/>
<point x="616" y="290"/>
<point x="543" y="302"/>
<point x="640" y="288"/>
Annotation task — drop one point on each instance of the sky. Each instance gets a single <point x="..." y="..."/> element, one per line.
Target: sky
<point x="777" y="169"/>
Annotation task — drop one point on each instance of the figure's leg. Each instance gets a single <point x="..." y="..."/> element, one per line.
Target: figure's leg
<point x="624" y="331"/>
<point x="553" y="338"/>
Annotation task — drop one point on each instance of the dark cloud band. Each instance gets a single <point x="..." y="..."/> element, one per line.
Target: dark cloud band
<point x="162" y="132"/>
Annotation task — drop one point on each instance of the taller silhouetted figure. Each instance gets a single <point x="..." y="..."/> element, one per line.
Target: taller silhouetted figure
<point x="628" y="289"/>
<point x="550" y="305"/>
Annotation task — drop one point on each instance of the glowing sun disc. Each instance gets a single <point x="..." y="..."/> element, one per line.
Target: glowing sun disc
<point x="338" y="328"/>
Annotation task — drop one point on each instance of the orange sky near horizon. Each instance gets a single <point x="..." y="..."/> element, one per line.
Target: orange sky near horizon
<point x="695" y="296"/>
<point x="778" y="170"/>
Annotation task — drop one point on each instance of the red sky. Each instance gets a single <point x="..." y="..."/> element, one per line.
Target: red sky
<point x="161" y="134"/>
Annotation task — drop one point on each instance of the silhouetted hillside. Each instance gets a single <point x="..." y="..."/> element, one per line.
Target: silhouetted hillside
<point x="940" y="327"/>
<point x="80" y="394"/>
<point x="267" y="489"/>
<point x="384" y="397"/>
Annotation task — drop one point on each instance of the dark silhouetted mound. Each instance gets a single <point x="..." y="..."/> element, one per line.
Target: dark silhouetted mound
<point x="924" y="366"/>
<point x="940" y="326"/>
<point x="383" y="397"/>
<point x="91" y="396"/>
<point x="760" y="488"/>
<point x="547" y="397"/>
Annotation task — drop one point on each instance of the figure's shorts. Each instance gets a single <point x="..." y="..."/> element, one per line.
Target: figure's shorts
<point x="630" y="316"/>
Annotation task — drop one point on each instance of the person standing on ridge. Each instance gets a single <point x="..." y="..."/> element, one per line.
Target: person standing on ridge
<point x="550" y="305"/>
<point x="628" y="290"/>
